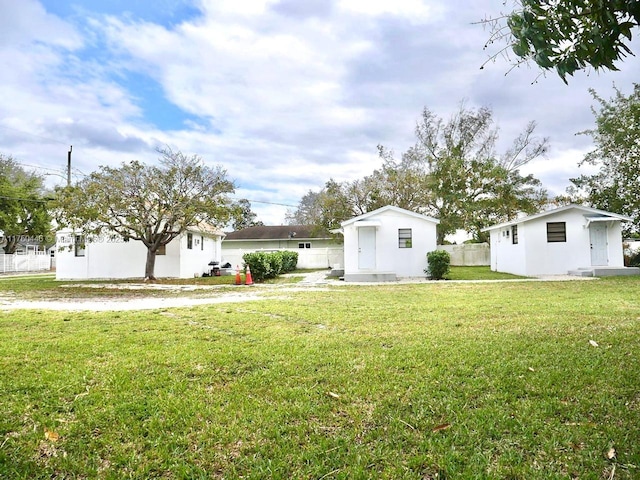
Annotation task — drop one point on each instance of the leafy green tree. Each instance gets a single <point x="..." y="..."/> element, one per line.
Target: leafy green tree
<point x="464" y="182"/>
<point x="23" y="208"/>
<point x="616" y="186"/>
<point x="243" y="216"/>
<point x="151" y="204"/>
<point x="452" y="172"/>
<point x="568" y="35"/>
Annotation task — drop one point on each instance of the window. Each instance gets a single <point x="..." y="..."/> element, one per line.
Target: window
<point x="201" y="242"/>
<point x="79" y="247"/>
<point x="162" y="250"/>
<point x="514" y="234"/>
<point x="304" y="245"/>
<point x="301" y="245"/>
<point x="189" y="241"/>
<point x="404" y="238"/>
<point x="556" y="232"/>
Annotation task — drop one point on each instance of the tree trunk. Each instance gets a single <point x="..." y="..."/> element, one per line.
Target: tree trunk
<point x="11" y="246"/>
<point x="150" y="266"/>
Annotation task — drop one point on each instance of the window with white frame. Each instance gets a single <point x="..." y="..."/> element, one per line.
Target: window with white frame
<point x="189" y="241"/>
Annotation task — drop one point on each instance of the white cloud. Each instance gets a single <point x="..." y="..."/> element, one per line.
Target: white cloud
<point x="284" y="94"/>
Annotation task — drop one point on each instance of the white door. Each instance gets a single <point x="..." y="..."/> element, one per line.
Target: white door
<point x="598" y="238"/>
<point x="367" y="248"/>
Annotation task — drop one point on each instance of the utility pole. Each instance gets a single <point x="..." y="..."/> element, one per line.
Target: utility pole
<point x="69" y="166"/>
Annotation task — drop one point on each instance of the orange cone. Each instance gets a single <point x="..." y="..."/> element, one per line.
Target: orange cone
<point x="248" y="279"/>
<point x="238" y="279"/>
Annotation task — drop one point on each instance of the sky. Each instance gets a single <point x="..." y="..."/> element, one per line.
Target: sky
<point x="284" y="94"/>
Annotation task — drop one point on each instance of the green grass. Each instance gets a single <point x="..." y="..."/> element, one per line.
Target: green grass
<point x="436" y="380"/>
<point x="478" y="273"/>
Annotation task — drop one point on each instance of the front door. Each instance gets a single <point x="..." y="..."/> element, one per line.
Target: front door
<point x="367" y="248"/>
<point x="598" y="238"/>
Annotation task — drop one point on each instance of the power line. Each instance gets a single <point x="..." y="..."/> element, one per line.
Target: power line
<point x="269" y="203"/>
<point x="39" y="167"/>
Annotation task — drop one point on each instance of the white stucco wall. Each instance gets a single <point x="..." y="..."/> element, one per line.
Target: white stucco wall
<point x="533" y="255"/>
<point x="108" y="257"/>
<point x="389" y="257"/>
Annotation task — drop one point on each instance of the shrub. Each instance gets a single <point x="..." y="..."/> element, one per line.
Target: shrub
<point x="260" y="266"/>
<point x="289" y="261"/>
<point x="632" y="258"/>
<point x="439" y="262"/>
<point x="265" y="265"/>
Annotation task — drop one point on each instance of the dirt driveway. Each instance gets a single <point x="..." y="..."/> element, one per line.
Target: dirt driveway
<point x="179" y="294"/>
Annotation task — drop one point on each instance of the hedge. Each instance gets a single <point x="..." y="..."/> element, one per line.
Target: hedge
<point x="265" y="265"/>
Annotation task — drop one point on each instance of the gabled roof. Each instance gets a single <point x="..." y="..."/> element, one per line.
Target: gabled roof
<point x="206" y="228"/>
<point x="588" y="211"/>
<point x="388" y="208"/>
<point x="278" y="232"/>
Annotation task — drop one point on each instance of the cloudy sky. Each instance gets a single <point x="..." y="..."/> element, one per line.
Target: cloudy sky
<point x="285" y="94"/>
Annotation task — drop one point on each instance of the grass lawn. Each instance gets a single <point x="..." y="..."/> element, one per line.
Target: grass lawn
<point x="518" y="380"/>
<point x="478" y="273"/>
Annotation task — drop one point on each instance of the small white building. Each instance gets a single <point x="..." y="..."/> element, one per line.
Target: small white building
<point x="567" y="240"/>
<point x="316" y="248"/>
<point x="387" y="243"/>
<point x="108" y="256"/>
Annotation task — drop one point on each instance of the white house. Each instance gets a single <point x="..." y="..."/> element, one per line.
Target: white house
<point x="570" y="239"/>
<point x="109" y="256"/>
<point x="387" y="243"/>
<point x="316" y="248"/>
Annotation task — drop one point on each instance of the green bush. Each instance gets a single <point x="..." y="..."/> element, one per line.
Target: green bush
<point x="265" y="265"/>
<point x="632" y="258"/>
<point x="289" y="261"/>
<point x="260" y="266"/>
<point x="439" y="262"/>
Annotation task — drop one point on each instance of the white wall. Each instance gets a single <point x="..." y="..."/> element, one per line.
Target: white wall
<point x="404" y="262"/>
<point x="195" y="262"/>
<point x="110" y="257"/>
<point x="533" y="255"/>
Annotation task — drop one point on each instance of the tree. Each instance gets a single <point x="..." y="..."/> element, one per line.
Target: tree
<point x="452" y="173"/>
<point x="243" y="216"/>
<point x="23" y="208"/>
<point x="152" y="204"/>
<point x="568" y="35"/>
<point x="616" y="186"/>
<point x="326" y="209"/>
<point x="466" y="184"/>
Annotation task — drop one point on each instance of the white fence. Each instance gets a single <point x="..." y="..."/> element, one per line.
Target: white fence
<point x="468" y="254"/>
<point x="28" y="262"/>
<point x="307" y="257"/>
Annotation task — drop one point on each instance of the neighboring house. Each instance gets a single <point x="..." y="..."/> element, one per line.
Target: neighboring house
<point x="109" y="256"/>
<point x="567" y="240"/>
<point x="387" y="243"/>
<point x="315" y="248"/>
